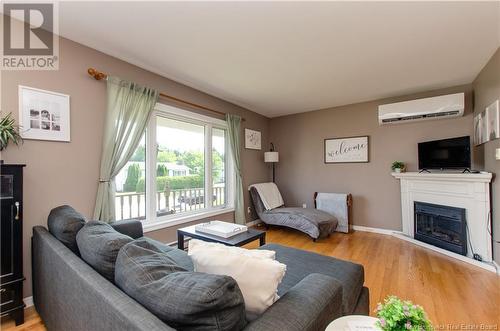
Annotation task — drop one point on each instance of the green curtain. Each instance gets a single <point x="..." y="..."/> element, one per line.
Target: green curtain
<point x="128" y="111"/>
<point x="233" y="128"/>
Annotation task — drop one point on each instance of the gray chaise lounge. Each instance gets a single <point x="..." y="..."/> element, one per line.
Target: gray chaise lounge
<point x="315" y="223"/>
<point x="71" y="295"/>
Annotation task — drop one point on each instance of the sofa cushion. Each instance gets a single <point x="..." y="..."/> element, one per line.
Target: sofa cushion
<point x="179" y="257"/>
<point x="99" y="244"/>
<point x="301" y="263"/>
<point x="64" y="222"/>
<point x="132" y="228"/>
<point x="184" y="300"/>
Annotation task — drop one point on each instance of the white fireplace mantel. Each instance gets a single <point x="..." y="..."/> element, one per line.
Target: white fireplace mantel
<point x="470" y="191"/>
<point x="482" y="177"/>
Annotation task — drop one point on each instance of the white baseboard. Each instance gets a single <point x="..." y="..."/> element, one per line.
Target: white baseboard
<point x="375" y="230"/>
<point x="497" y="267"/>
<point x="28" y="301"/>
<point x="484" y="265"/>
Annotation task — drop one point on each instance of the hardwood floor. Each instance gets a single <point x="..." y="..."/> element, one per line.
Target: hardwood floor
<point x="453" y="293"/>
<point x="32" y="322"/>
<point x="456" y="295"/>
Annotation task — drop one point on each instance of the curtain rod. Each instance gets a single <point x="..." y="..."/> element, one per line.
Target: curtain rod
<point x="97" y="75"/>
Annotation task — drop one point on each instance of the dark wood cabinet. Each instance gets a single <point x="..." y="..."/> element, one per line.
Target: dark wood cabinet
<point x="11" y="232"/>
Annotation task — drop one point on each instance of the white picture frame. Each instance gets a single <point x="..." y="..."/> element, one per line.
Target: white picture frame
<point x="493" y="121"/>
<point x="347" y="150"/>
<point x="478" y="129"/>
<point x="44" y="115"/>
<point x="487" y="124"/>
<point x="253" y="139"/>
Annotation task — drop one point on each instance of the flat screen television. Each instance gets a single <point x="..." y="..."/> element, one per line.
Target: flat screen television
<point x="453" y="153"/>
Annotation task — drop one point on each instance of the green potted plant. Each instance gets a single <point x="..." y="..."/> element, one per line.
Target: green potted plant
<point x="398" y="166"/>
<point x="398" y="315"/>
<point x="9" y="132"/>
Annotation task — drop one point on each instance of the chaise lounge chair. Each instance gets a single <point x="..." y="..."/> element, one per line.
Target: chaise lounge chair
<point x="270" y="207"/>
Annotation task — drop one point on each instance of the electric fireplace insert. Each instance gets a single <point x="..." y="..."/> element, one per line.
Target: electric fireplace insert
<point x="441" y="226"/>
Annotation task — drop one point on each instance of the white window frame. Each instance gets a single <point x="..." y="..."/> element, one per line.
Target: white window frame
<point x="154" y="222"/>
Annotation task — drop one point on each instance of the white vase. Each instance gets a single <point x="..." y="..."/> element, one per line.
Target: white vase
<point x="398" y="170"/>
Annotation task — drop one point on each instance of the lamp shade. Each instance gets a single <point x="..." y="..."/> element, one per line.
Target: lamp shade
<point x="271" y="157"/>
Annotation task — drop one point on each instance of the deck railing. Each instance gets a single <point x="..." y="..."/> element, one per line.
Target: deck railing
<point x="133" y="204"/>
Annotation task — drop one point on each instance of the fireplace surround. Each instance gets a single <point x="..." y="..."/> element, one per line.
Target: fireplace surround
<point x="469" y="191"/>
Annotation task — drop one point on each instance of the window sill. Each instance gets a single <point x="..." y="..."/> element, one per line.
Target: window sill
<point x="162" y="224"/>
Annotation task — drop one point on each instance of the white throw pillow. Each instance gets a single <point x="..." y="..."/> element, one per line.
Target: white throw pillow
<point x="257" y="274"/>
<point x="195" y="245"/>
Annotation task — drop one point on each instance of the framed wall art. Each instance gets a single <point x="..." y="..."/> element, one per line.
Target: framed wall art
<point x="493" y="125"/>
<point x="487" y="124"/>
<point x="479" y="135"/>
<point x="253" y="139"/>
<point x="346" y="150"/>
<point x="43" y="115"/>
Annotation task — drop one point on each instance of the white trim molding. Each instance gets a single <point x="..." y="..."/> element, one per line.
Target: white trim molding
<point x="497" y="267"/>
<point x="374" y="230"/>
<point x="153" y="222"/>
<point x="183" y="114"/>
<point x="28" y="301"/>
<point x="150" y="226"/>
<point x="482" y="177"/>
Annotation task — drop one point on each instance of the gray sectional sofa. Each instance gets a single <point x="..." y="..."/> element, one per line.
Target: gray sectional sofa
<point x="71" y="295"/>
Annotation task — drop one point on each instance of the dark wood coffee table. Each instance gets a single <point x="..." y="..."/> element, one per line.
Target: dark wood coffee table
<point x="238" y="240"/>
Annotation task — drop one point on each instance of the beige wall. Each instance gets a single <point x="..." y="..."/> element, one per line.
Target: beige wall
<point x="67" y="173"/>
<point x="486" y="90"/>
<point x="301" y="170"/>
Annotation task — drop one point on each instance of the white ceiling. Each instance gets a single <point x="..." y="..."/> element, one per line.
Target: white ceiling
<point x="280" y="58"/>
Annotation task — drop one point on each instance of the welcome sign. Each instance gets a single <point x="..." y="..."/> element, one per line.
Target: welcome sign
<point x="346" y="150"/>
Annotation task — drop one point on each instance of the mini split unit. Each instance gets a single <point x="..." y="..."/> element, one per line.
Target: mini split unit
<point x="444" y="106"/>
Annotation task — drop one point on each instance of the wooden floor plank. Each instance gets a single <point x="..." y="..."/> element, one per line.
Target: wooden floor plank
<point x="454" y="293"/>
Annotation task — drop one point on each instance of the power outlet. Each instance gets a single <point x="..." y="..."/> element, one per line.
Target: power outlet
<point x="249" y="211"/>
<point x="304" y="205"/>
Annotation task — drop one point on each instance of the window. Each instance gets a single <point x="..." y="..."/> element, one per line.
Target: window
<point x="180" y="166"/>
<point x="180" y="172"/>
<point x="219" y="166"/>
<point x="130" y="199"/>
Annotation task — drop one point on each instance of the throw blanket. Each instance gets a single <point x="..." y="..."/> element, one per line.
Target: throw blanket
<point x="269" y="194"/>
<point x="335" y="204"/>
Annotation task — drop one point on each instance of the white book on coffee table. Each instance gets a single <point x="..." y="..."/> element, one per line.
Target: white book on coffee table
<point x="221" y="229"/>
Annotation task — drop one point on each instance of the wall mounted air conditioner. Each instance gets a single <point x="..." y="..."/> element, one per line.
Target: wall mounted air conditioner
<point x="443" y="106"/>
